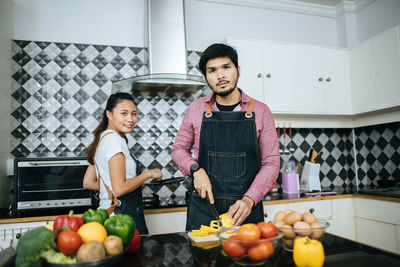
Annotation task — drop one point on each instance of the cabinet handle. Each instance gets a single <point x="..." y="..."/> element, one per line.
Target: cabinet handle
<point x="265" y="215"/>
<point x="320" y="79"/>
<point x="328" y="79"/>
<point x="259" y="75"/>
<point x="268" y="75"/>
<point x="311" y="210"/>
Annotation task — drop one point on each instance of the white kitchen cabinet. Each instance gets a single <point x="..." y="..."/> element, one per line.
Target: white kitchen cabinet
<point x="322" y="209"/>
<point x="377" y="234"/>
<point x="375" y="72"/>
<point x="343" y="218"/>
<point x="169" y="222"/>
<point x="251" y="64"/>
<point x="9" y="231"/>
<point x="294" y="78"/>
<point x="377" y="223"/>
<point x="386" y="59"/>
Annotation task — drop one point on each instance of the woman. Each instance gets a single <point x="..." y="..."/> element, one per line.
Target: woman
<point x="112" y="169"/>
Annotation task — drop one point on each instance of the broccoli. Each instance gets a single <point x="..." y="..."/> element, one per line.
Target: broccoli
<point x="31" y="244"/>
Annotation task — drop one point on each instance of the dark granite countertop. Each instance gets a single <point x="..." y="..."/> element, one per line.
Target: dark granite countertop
<point x="177" y="250"/>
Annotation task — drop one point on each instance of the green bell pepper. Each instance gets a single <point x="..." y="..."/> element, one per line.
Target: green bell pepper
<point x="122" y="225"/>
<point x="99" y="215"/>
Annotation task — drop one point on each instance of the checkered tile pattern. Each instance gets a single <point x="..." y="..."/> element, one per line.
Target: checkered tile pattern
<point x="336" y="160"/>
<point x="378" y="153"/>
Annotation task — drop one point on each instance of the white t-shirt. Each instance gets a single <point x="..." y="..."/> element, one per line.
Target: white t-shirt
<point x="110" y="145"/>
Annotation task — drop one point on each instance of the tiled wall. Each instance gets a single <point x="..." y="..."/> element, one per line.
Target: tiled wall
<point x="59" y="91"/>
<point x="378" y="153"/>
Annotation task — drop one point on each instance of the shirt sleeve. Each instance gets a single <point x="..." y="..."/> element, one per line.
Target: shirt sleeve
<point x="268" y="144"/>
<point x="183" y="144"/>
<point x="112" y="145"/>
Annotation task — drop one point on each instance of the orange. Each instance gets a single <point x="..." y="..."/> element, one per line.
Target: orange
<point x="92" y="231"/>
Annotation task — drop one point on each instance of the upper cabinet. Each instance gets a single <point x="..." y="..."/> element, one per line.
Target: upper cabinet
<point x="294" y="78"/>
<point x="375" y="72"/>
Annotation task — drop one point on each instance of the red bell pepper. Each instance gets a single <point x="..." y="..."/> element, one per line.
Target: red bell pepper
<point x="134" y="244"/>
<point x="72" y="222"/>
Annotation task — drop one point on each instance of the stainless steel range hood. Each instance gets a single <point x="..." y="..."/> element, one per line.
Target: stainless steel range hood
<point x="167" y="53"/>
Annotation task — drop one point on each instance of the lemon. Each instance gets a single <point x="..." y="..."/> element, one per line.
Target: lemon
<point x="92" y="231"/>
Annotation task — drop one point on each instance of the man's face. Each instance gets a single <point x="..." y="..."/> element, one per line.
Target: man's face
<point x="222" y="75"/>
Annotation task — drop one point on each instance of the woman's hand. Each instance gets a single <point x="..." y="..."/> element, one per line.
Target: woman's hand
<point x="90" y="179"/>
<point x="156" y="174"/>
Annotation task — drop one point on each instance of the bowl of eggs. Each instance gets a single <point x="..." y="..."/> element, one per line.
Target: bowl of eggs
<point x="294" y="224"/>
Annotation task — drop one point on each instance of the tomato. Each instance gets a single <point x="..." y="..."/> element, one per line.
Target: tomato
<point x="68" y="242"/>
<point x="261" y="251"/>
<point x="267" y="229"/>
<point x="249" y="231"/>
<point x="134" y="244"/>
<point x="234" y="248"/>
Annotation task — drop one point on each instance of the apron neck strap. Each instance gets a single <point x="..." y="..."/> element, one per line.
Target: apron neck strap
<point x="111" y="196"/>
<point x="248" y="112"/>
<point x="250" y="107"/>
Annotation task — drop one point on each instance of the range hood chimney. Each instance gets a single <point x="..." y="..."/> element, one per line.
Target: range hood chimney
<point x="167" y="53"/>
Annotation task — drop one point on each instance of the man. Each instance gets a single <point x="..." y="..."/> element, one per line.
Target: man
<point x="235" y="144"/>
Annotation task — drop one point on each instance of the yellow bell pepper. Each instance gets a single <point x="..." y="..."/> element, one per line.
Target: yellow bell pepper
<point x="308" y="252"/>
<point x="226" y="220"/>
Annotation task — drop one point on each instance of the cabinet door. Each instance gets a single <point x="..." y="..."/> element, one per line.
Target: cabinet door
<point x="336" y="81"/>
<point x="322" y="209"/>
<point x="170" y="222"/>
<point x="343" y="218"/>
<point x="308" y="78"/>
<point x="279" y="90"/>
<point x="377" y="234"/>
<point x="363" y="96"/>
<point x="251" y="66"/>
<point x="386" y="58"/>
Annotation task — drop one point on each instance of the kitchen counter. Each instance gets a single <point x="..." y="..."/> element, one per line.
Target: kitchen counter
<point x="177" y="250"/>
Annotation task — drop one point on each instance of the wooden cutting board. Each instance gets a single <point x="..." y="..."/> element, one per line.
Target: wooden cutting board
<point x="203" y="239"/>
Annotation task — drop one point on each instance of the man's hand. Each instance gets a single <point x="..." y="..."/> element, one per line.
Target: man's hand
<point x="240" y="210"/>
<point x="202" y="184"/>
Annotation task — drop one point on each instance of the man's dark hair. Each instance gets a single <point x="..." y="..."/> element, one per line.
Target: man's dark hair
<point x="215" y="51"/>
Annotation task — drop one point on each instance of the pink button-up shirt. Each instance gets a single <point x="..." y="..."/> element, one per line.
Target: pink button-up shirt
<point x="189" y="135"/>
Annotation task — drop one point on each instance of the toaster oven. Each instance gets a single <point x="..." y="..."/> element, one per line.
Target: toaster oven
<point x="50" y="183"/>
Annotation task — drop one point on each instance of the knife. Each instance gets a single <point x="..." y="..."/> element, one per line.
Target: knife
<point x="318" y="157"/>
<point x="214" y="211"/>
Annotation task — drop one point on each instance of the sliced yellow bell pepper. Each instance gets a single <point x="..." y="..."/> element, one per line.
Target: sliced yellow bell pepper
<point x="308" y="252"/>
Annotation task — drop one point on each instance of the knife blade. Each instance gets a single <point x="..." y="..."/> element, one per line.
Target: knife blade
<point x="214" y="211"/>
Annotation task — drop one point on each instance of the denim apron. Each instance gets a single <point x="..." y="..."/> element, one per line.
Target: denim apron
<point x="131" y="203"/>
<point x="229" y="154"/>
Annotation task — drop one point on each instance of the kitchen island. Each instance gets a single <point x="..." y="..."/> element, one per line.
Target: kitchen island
<point x="175" y="249"/>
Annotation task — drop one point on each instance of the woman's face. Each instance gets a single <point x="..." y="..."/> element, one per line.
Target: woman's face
<point x="123" y="117"/>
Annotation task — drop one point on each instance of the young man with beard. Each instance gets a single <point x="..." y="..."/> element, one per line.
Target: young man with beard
<point x="235" y="145"/>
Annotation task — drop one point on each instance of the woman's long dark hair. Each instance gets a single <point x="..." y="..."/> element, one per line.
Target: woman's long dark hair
<point x="112" y="102"/>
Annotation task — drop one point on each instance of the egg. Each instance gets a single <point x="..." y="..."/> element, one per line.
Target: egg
<point x="288" y="211"/>
<point x="287" y="230"/>
<point x="292" y="218"/>
<point x="317" y="230"/>
<point x="309" y="218"/>
<point x="302" y="228"/>
<point x="279" y="224"/>
<point x="279" y="216"/>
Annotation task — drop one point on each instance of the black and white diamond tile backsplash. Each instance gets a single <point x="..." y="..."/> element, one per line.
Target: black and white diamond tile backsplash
<point x="378" y="153"/>
<point x="59" y="91"/>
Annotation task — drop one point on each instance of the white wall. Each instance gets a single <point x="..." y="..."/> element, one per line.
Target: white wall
<point x="208" y="22"/>
<point x="5" y="97"/>
<point x="103" y="22"/>
<point x="381" y="15"/>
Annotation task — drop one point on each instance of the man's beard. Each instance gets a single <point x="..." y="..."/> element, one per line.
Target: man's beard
<point x="224" y="93"/>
